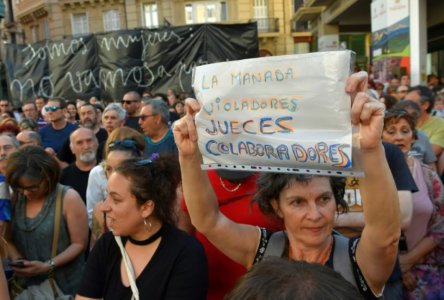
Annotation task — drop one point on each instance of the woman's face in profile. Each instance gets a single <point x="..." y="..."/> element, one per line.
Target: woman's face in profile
<point x="123" y="215"/>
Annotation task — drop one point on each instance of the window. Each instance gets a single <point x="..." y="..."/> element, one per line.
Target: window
<point x="34" y="34"/>
<point x="150" y="17"/>
<point x="80" y="24"/>
<point x="205" y="12"/>
<point x="260" y="10"/>
<point x="111" y="20"/>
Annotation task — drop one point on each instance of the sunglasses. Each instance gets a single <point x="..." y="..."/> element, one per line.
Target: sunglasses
<point x="127" y="144"/>
<point x="128" y="101"/>
<point x="144" y="162"/>
<point x="51" y="108"/>
<point x="143" y="117"/>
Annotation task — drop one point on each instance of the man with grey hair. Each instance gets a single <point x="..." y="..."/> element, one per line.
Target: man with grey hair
<point x="29" y="137"/>
<point x="153" y="120"/>
<point x="113" y="117"/>
<point x="83" y="143"/>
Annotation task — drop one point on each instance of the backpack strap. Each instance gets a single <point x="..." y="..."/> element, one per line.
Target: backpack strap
<point x="341" y="258"/>
<point x="276" y="244"/>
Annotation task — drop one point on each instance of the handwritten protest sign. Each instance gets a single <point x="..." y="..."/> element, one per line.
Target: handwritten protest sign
<point x="285" y="114"/>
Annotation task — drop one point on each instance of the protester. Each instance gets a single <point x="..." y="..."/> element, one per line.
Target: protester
<point x="167" y="263"/>
<point x="234" y="191"/>
<point x="421" y="263"/>
<point x="8" y="145"/>
<point x="29" y="137"/>
<point x="154" y="123"/>
<point x="306" y="204"/>
<point x="422" y="148"/>
<point x="83" y="144"/>
<point x="88" y="119"/>
<point x="432" y="126"/>
<point x="131" y="103"/>
<point x="113" y="117"/>
<point x="28" y="124"/>
<point x="58" y="130"/>
<point x="71" y="113"/>
<point x="282" y="279"/>
<point x="33" y="175"/>
<point x="123" y="143"/>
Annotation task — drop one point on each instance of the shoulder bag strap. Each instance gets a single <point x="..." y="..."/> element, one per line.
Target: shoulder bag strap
<point x="128" y="267"/>
<point x="276" y="244"/>
<point x="55" y="238"/>
<point x="57" y="218"/>
<point x="341" y="258"/>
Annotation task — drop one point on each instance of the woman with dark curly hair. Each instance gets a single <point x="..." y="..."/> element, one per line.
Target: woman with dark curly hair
<point x="307" y="206"/>
<point x="144" y="255"/>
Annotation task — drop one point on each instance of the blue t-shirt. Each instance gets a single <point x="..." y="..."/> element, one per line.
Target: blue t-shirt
<point x="54" y="138"/>
<point x="5" y="200"/>
<point x="165" y="145"/>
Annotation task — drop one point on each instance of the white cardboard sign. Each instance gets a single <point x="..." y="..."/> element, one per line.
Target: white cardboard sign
<point x="284" y="113"/>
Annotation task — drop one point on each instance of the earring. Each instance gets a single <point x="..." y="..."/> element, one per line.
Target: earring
<point x="148" y="226"/>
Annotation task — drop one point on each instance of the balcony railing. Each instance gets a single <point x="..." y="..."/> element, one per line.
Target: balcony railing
<point x="267" y="24"/>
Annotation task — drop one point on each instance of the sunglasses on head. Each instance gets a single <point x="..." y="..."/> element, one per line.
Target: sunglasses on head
<point x="144" y="162"/>
<point x="51" y="108"/>
<point x="127" y="144"/>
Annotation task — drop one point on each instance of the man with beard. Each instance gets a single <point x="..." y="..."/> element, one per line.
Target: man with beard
<point x="83" y="144"/>
<point x="88" y="119"/>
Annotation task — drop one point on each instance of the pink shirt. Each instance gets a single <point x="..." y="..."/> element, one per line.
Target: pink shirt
<point x="422" y="208"/>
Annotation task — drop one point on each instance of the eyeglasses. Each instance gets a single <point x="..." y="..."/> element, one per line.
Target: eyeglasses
<point x="143" y="117"/>
<point x="128" y="101"/>
<point x="402" y="91"/>
<point x="51" y="108"/>
<point x="127" y="144"/>
<point x="31" y="189"/>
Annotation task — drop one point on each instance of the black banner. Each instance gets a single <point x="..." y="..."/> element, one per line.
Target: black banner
<point x="107" y="65"/>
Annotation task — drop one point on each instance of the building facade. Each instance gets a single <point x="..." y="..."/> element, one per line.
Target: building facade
<point x="284" y="26"/>
<point x="38" y="20"/>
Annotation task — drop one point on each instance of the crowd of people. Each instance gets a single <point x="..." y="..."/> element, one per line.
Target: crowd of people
<point x="109" y="201"/>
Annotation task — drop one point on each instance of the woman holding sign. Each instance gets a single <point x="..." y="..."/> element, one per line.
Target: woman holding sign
<point x="307" y="206"/>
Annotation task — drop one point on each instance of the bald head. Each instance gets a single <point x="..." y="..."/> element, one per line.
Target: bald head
<point x="29" y="137"/>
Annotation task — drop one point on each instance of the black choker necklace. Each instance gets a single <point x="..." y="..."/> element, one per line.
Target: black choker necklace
<point x="149" y="240"/>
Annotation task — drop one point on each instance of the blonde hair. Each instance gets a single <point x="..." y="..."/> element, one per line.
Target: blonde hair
<point x="125" y="133"/>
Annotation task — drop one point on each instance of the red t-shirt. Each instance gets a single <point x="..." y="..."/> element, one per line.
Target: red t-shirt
<point x="236" y="205"/>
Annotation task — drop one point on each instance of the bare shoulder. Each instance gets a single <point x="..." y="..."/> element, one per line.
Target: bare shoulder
<point x="72" y="200"/>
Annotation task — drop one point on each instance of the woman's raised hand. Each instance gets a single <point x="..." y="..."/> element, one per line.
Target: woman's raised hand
<point x="184" y="129"/>
<point x="366" y="111"/>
